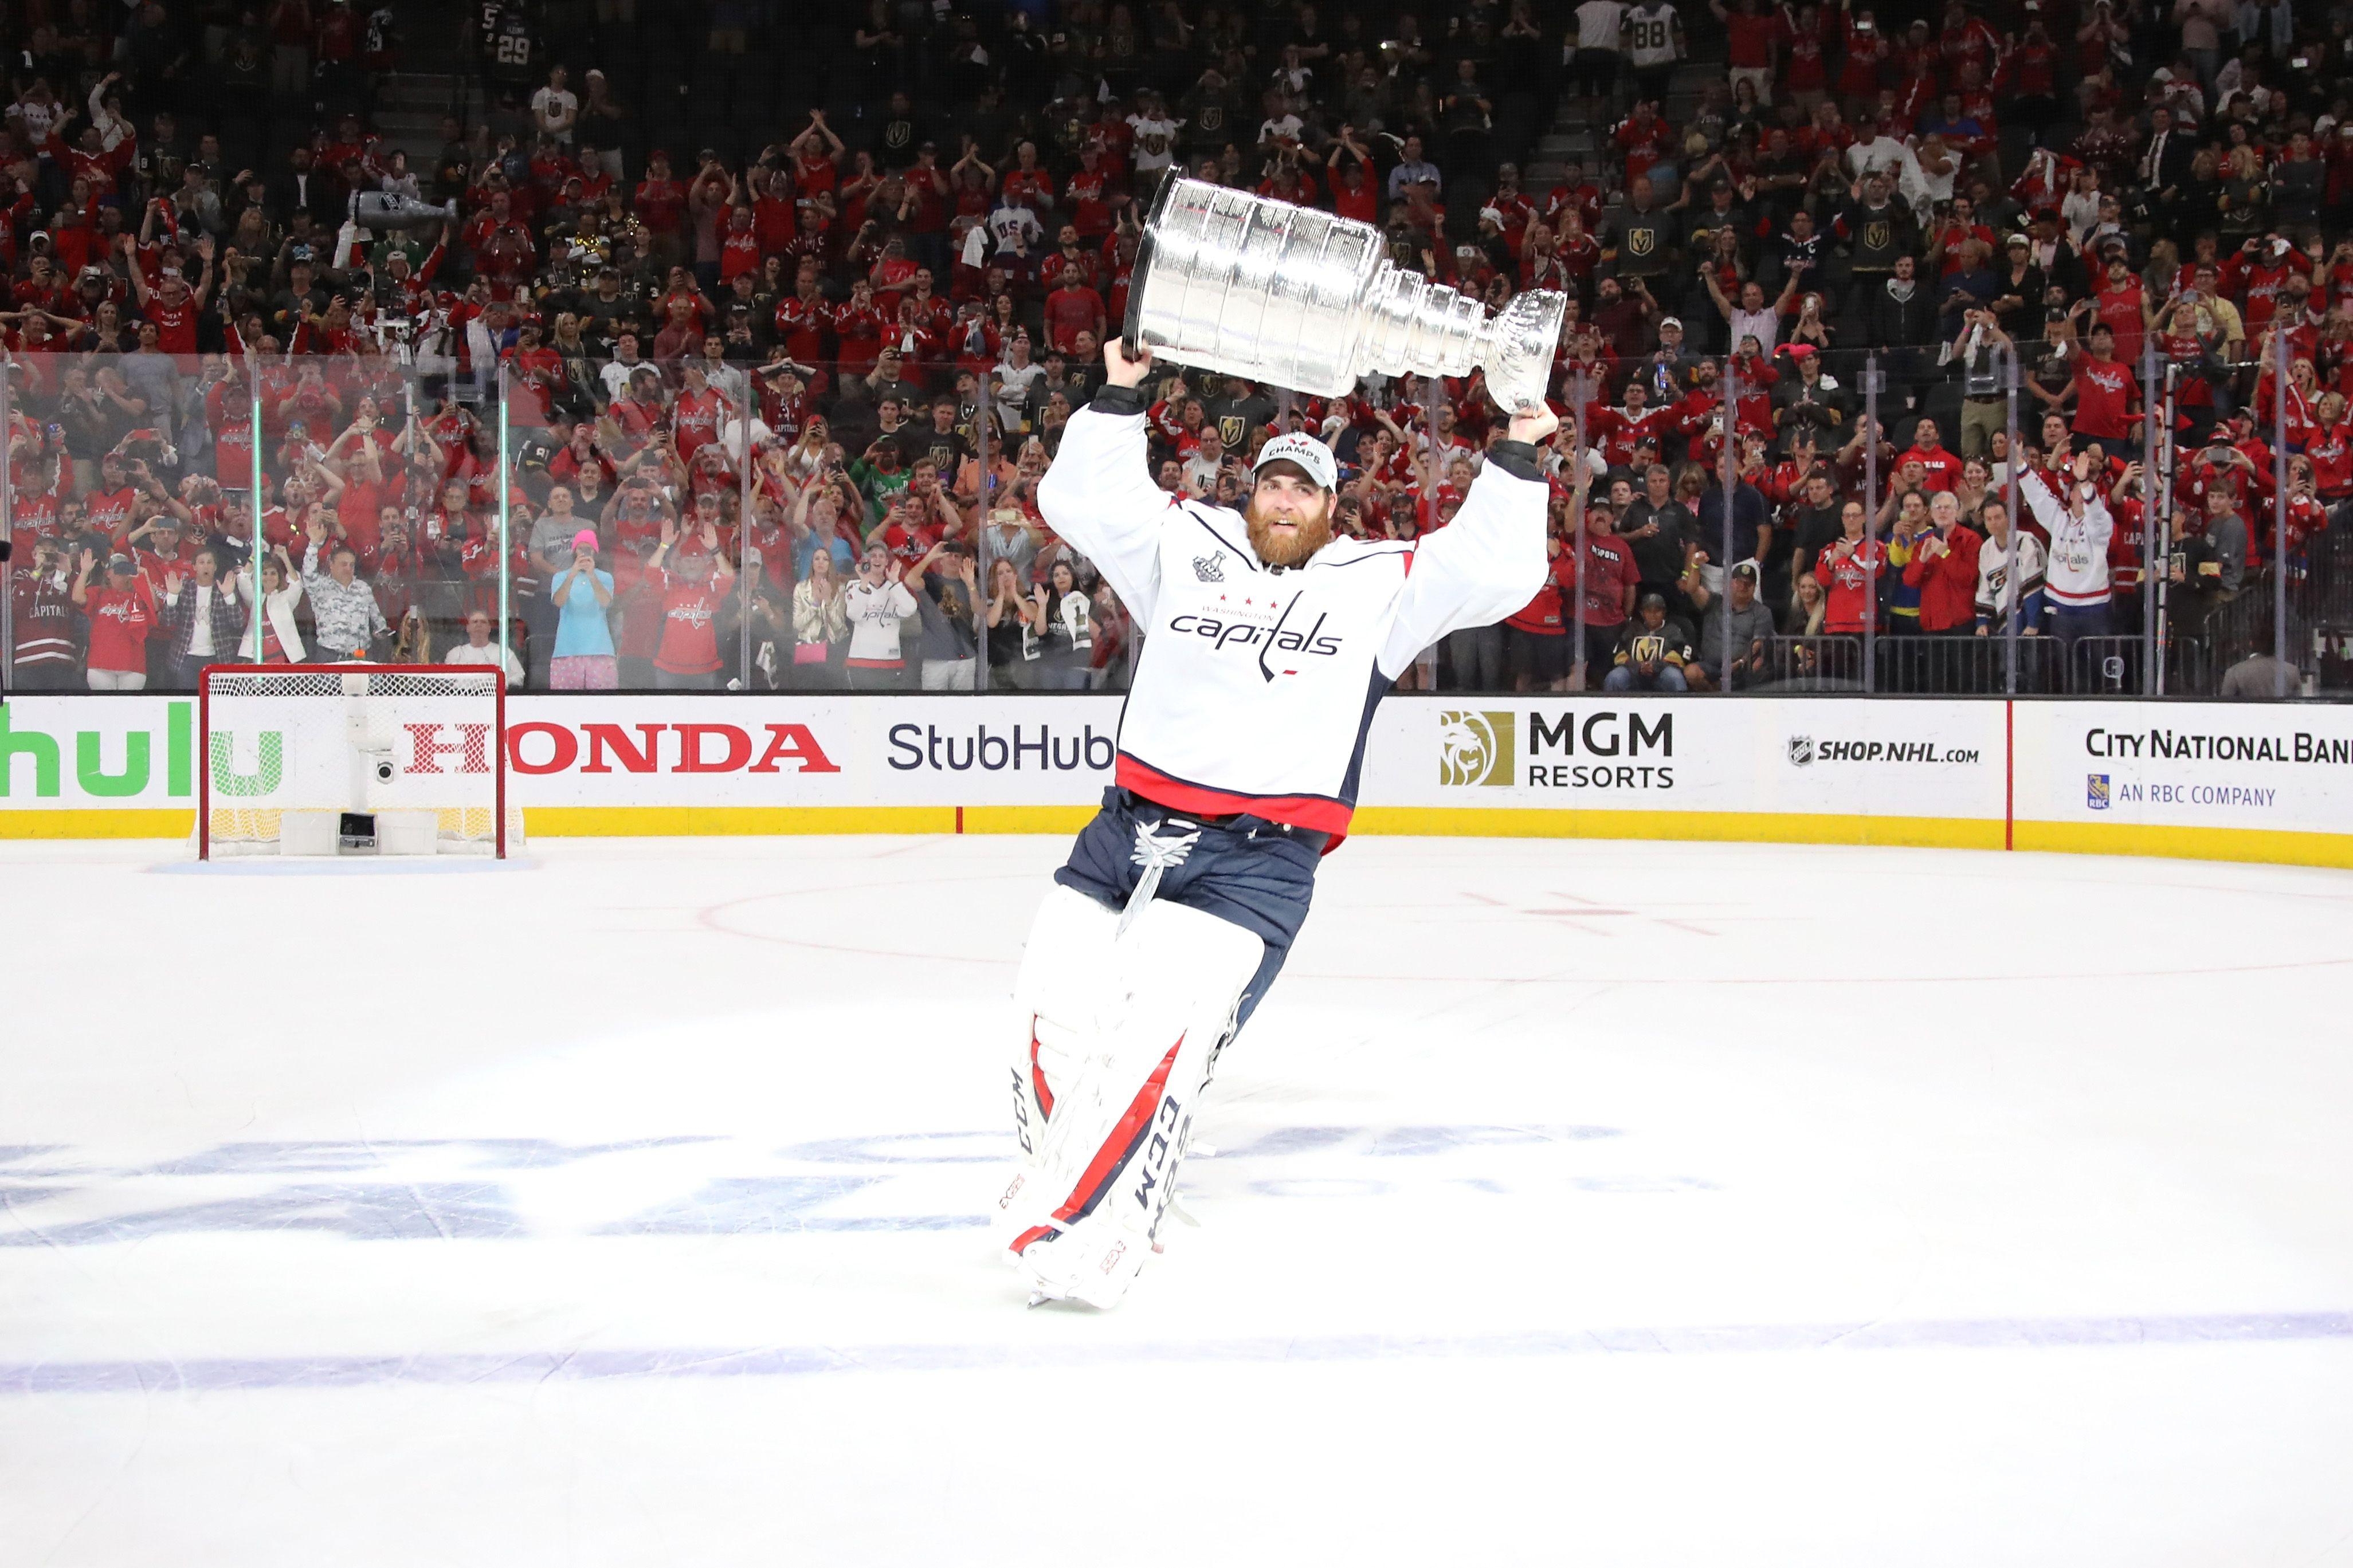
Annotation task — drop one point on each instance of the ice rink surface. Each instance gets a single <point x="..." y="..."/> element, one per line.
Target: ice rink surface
<point x="1572" y="1202"/>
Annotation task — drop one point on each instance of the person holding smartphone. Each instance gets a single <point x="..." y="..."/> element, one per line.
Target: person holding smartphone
<point x="582" y="592"/>
<point x="874" y="606"/>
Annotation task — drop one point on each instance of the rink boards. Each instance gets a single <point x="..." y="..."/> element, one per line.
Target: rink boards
<point x="2207" y="780"/>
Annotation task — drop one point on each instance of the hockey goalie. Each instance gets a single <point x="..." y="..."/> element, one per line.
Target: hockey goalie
<point x="1270" y="644"/>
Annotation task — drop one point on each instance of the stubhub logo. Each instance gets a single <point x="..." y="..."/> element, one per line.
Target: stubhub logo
<point x="1032" y="748"/>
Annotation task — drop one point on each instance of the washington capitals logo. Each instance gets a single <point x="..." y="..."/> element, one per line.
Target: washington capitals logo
<point x="1279" y="647"/>
<point x="1211" y="568"/>
<point x="1276" y="640"/>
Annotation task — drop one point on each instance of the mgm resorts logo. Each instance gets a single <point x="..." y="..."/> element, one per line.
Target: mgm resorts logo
<point x="1492" y="748"/>
<point x="1475" y="748"/>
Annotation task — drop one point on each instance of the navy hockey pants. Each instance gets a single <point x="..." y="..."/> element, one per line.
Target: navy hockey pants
<point x="1258" y="874"/>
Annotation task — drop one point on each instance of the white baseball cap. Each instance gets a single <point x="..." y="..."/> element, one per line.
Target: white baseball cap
<point x="1307" y="452"/>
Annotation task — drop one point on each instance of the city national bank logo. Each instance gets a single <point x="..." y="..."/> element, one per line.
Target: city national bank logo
<point x="1474" y="748"/>
<point x="2095" y="791"/>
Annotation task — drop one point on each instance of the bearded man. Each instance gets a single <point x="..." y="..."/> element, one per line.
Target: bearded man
<point x="1270" y="642"/>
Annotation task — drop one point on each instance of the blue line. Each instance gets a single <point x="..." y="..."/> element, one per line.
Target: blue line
<point x="803" y="1361"/>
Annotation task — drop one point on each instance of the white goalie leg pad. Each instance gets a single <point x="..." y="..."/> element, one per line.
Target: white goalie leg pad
<point x="1124" y="1093"/>
<point x="1064" y="996"/>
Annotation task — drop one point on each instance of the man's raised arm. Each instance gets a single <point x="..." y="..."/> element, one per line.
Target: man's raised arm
<point x="1490" y="560"/>
<point x="1099" y="493"/>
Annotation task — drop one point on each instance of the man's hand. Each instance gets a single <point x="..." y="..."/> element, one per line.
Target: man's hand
<point x="1122" y="371"/>
<point x="1533" y="425"/>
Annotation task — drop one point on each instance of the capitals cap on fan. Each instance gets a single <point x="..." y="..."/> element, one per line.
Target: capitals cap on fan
<point x="1307" y="452"/>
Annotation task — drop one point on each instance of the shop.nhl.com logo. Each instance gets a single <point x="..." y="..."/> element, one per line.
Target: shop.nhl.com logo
<point x="1801" y="751"/>
<point x="1475" y="748"/>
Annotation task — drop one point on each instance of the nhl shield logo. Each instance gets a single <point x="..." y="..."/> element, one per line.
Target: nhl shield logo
<point x="1211" y="568"/>
<point x="1801" y="751"/>
<point x="2095" y="792"/>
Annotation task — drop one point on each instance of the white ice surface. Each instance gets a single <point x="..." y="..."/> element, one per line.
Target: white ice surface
<point x="1575" y="1203"/>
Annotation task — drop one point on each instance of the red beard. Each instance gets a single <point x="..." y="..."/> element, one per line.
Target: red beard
<point x="1292" y="549"/>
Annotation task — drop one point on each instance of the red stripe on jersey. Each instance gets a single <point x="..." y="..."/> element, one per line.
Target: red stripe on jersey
<point x="1299" y="810"/>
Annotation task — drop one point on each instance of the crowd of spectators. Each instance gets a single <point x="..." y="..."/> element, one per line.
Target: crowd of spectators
<point x="771" y="412"/>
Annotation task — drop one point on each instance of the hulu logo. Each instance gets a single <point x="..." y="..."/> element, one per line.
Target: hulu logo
<point x="231" y="785"/>
<point x="46" y="753"/>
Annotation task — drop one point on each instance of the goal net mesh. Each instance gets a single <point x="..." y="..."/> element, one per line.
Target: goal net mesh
<point x="330" y="740"/>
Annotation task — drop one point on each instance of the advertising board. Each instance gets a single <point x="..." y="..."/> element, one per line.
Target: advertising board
<point x="2231" y="780"/>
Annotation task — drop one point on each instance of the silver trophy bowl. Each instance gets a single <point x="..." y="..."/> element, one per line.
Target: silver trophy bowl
<point x="1249" y="285"/>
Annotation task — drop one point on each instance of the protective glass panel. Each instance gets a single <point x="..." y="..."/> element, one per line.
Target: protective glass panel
<point x="529" y="487"/>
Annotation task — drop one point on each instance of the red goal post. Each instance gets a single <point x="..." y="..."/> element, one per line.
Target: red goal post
<point x="288" y="754"/>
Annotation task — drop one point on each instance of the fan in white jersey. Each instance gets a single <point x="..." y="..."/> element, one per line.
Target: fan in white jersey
<point x="1269" y="642"/>
<point x="2009" y="573"/>
<point x="1655" y="42"/>
<point x="1600" y="50"/>
<point x="2077" y="590"/>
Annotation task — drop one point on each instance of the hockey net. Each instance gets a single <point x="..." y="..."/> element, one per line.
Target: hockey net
<point x="326" y="759"/>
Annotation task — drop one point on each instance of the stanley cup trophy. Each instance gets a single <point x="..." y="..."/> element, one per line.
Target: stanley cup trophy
<point x="1249" y="285"/>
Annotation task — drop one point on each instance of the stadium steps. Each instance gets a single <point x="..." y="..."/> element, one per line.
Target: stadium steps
<point x="410" y="104"/>
<point x="1574" y="137"/>
<point x="437" y="79"/>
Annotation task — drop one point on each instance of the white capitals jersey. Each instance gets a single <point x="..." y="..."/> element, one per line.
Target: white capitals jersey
<point x="2079" y="544"/>
<point x="1256" y="685"/>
